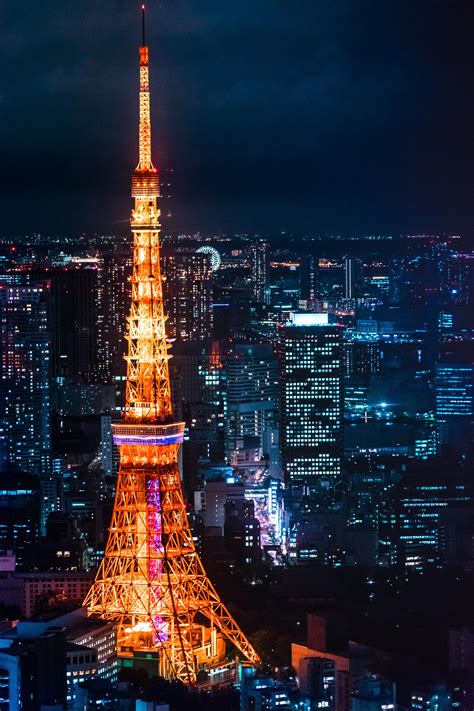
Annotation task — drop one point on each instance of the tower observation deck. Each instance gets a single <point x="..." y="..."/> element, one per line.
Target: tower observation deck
<point x="151" y="580"/>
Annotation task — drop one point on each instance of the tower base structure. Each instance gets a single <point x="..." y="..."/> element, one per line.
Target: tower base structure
<point x="151" y="580"/>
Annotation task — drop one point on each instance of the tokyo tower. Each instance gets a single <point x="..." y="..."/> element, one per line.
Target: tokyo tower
<point x="151" y="580"/>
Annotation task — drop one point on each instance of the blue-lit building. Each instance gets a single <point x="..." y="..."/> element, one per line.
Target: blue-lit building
<point x="262" y="693"/>
<point x="312" y="369"/>
<point x="19" y="515"/>
<point x="434" y="698"/>
<point x="422" y="519"/>
<point x="454" y="390"/>
<point x="24" y="385"/>
<point x="454" y="386"/>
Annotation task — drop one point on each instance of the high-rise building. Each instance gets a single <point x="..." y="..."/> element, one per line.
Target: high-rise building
<point x="259" y="266"/>
<point x="252" y="392"/>
<point x="24" y="385"/>
<point x="454" y="392"/>
<point x="457" y="280"/>
<point x="352" y="269"/>
<point x="423" y="518"/>
<point x="312" y="399"/>
<point x="362" y="358"/>
<point x="308" y="269"/>
<point x="242" y="532"/>
<point x="19" y="514"/>
<point x="454" y="384"/>
<point x="188" y="294"/>
<point x="74" y="322"/>
<point x="113" y="298"/>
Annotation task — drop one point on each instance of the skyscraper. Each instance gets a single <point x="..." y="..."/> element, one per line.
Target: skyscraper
<point x="351" y="277"/>
<point x="19" y="515"/>
<point x="74" y="322"/>
<point x="454" y="385"/>
<point x="113" y="298"/>
<point x="454" y="388"/>
<point x="312" y="400"/>
<point x="259" y="265"/>
<point x="24" y="387"/>
<point x="362" y="357"/>
<point x="252" y="392"/>
<point x="188" y="294"/>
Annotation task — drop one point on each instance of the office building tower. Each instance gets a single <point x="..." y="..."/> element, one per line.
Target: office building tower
<point x="231" y="312"/>
<point x="423" y="518"/>
<point x="109" y="457"/>
<point x="362" y="358"/>
<point x="454" y="392"/>
<point x="113" y="298"/>
<point x="24" y="385"/>
<point x="259" y="266"/>
<point x="457" y="279"/>
<point x="188" y="295"/>
<point x="317" y="679"/>
<point x="308" y="269"/>
<point x="312" y="399"/>
<point x="242" y="532"/>
<point x="352" y="271"/>
<point x="454" y="384"/>
<point x="19" y="514"/>
<point x="73" y="321"/>
<point x="252" y="392"/>
<point x="51" y="490"/>
<point x="204" y="440"/>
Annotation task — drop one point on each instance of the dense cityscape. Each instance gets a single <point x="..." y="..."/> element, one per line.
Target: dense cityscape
<point x="319" y="513"/>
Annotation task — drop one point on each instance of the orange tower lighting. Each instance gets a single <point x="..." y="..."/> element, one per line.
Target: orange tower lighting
<point x="151" y="580"/>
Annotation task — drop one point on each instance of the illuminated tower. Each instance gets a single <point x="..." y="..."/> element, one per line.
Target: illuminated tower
<point x="151" y="580"/>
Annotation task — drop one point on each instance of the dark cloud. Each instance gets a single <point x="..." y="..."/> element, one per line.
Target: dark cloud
<point x="309" y="115"/>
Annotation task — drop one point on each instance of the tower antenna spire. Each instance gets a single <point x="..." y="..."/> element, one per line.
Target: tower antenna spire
<point x="143" y="26"/>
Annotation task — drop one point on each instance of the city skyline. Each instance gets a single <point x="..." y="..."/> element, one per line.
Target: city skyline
<point x="369" y="108"/>
<point x="236" y="468"/>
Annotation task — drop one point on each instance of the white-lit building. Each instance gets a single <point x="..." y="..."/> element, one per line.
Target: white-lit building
<point x="312" y="400"/>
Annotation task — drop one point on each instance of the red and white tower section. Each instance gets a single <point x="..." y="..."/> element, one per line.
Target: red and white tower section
<point x="151" y="580"/>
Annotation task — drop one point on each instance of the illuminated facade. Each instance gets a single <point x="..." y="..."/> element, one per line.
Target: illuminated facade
<point x="312" y="400"/>
<point x="151" y="580"/>
<point x="24" y="385"/>
<point x="252" y="392"/>
<point x="188" y="297"/>
<point x="259" y="260"/>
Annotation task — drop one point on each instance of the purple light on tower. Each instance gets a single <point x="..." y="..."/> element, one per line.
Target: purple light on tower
<point x="155" y="549"/>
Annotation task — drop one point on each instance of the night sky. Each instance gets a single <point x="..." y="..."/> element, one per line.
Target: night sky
<point x="305" y="115"/>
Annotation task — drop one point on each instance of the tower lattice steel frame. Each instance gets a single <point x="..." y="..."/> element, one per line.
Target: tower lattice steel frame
<point x="151" y="580"/>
